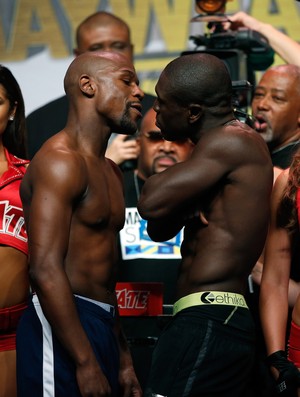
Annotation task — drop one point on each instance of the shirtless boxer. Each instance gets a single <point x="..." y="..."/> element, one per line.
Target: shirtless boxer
<point x="209" y="346"/>
<point x="74" y="209"/>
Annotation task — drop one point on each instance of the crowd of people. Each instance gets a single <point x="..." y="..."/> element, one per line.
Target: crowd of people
<point x="221" y="198"/>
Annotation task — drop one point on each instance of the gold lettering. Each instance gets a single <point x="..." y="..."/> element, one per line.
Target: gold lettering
<point x="138" y="18"/>
<point x="167" y="18"/>
<point x="23" y="36"/>
<point x="77" y="11"/>
<point x="36" y="24"/>
<point x="173" y="22"/>
<point x="232" y="6"/>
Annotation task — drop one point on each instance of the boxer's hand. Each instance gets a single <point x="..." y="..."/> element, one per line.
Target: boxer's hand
<point x="289" y="376"/>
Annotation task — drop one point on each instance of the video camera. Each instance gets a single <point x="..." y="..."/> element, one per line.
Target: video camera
<point x="243" y="51"/>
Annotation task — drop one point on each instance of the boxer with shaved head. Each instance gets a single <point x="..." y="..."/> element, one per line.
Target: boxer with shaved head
<point x="220" y="195"/>
<point x="69" y="341"/>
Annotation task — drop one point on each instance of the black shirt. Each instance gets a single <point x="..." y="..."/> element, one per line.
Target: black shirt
<point x="283" y="157"/>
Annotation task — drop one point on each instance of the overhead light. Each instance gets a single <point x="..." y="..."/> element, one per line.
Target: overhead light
<point x="210" y="6"/>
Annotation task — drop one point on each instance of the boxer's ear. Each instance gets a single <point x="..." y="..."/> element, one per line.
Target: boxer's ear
<point x="87" y="85"/>
<point x="195" y="112"/>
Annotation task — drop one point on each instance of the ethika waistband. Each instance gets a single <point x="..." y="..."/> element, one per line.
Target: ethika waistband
<point x="210" y="298"/>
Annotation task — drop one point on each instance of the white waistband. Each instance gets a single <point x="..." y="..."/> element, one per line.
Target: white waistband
<point x="106" y="306"/>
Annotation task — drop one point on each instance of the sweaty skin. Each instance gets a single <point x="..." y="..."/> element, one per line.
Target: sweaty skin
<point x="213" y="258"/>
<point x="74" y="209"/>
<point x="220" y="194"/>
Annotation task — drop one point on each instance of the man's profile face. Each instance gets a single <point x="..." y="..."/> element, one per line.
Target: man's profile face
<point x="120" y="96"/>
<point x="276" y="106"/>
<point x="111" y="37"/>
<point x="170" y="115"/>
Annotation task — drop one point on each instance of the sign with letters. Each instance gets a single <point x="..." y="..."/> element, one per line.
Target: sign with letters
<point x="135" y="242"/>
<point x="140" y="299"/>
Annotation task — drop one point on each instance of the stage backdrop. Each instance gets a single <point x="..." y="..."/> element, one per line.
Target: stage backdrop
<point x="37" y="36"/>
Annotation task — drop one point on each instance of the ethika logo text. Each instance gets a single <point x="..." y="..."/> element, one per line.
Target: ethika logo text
<point x="132" y="299"/>
<point x="12" y="221"/>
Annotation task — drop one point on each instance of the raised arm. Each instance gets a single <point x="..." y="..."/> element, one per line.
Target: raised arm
<point x="169" y="199"/>
<point x="287" y="48"/>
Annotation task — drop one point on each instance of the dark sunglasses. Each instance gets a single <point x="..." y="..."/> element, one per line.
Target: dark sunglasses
<point x="156" y="136"/>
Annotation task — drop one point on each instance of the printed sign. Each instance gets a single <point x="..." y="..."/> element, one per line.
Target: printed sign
<point x="140" y="299"/>
<point x="135" y="242"/>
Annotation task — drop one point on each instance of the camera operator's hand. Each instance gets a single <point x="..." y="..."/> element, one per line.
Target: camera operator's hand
<point x="241" y="19"/>
<point x="287" y="48"/>
<point x="289" y="376"/>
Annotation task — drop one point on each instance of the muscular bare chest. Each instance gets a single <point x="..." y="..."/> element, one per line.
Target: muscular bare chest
<point x="103" y="203"/>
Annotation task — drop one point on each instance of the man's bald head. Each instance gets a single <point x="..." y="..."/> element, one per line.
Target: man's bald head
<point x="103" y="31"/>
<point x="104" y="85"/>
<point x="292" y="72"/>
<point x="100" y="18"/>
<point x="200" y="78"/>
<point x="92" y="64"/>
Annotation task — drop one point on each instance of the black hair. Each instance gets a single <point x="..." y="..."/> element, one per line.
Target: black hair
<point x="14" y="136"/>
<point x="200" y="78"/>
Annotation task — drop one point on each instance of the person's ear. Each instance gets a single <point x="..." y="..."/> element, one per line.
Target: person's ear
<point x="195" y="112"/>
<point x="13" y="111"/>
<point x="87" y="85"/>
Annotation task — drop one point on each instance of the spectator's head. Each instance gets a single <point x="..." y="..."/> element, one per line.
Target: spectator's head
<point x="157" y="154"/>
<point x="103" y="31"/>
<point x="276" y="105"/>
<point x="12" y="114"/>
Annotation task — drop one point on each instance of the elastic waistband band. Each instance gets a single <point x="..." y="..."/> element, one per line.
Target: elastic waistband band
<point x="9" y="316"/>
<point x="105" y="306"/>
<point x="8" y="341"/>
<point x="210" y="298"/>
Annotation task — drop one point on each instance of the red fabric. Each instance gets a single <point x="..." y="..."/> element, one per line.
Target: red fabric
<point x="9" y="318"/>
<point x="298" y="204"/>
<point x="12" y="223"/>
<point x="8" y="341"/>
<point x="294" y="344"/>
